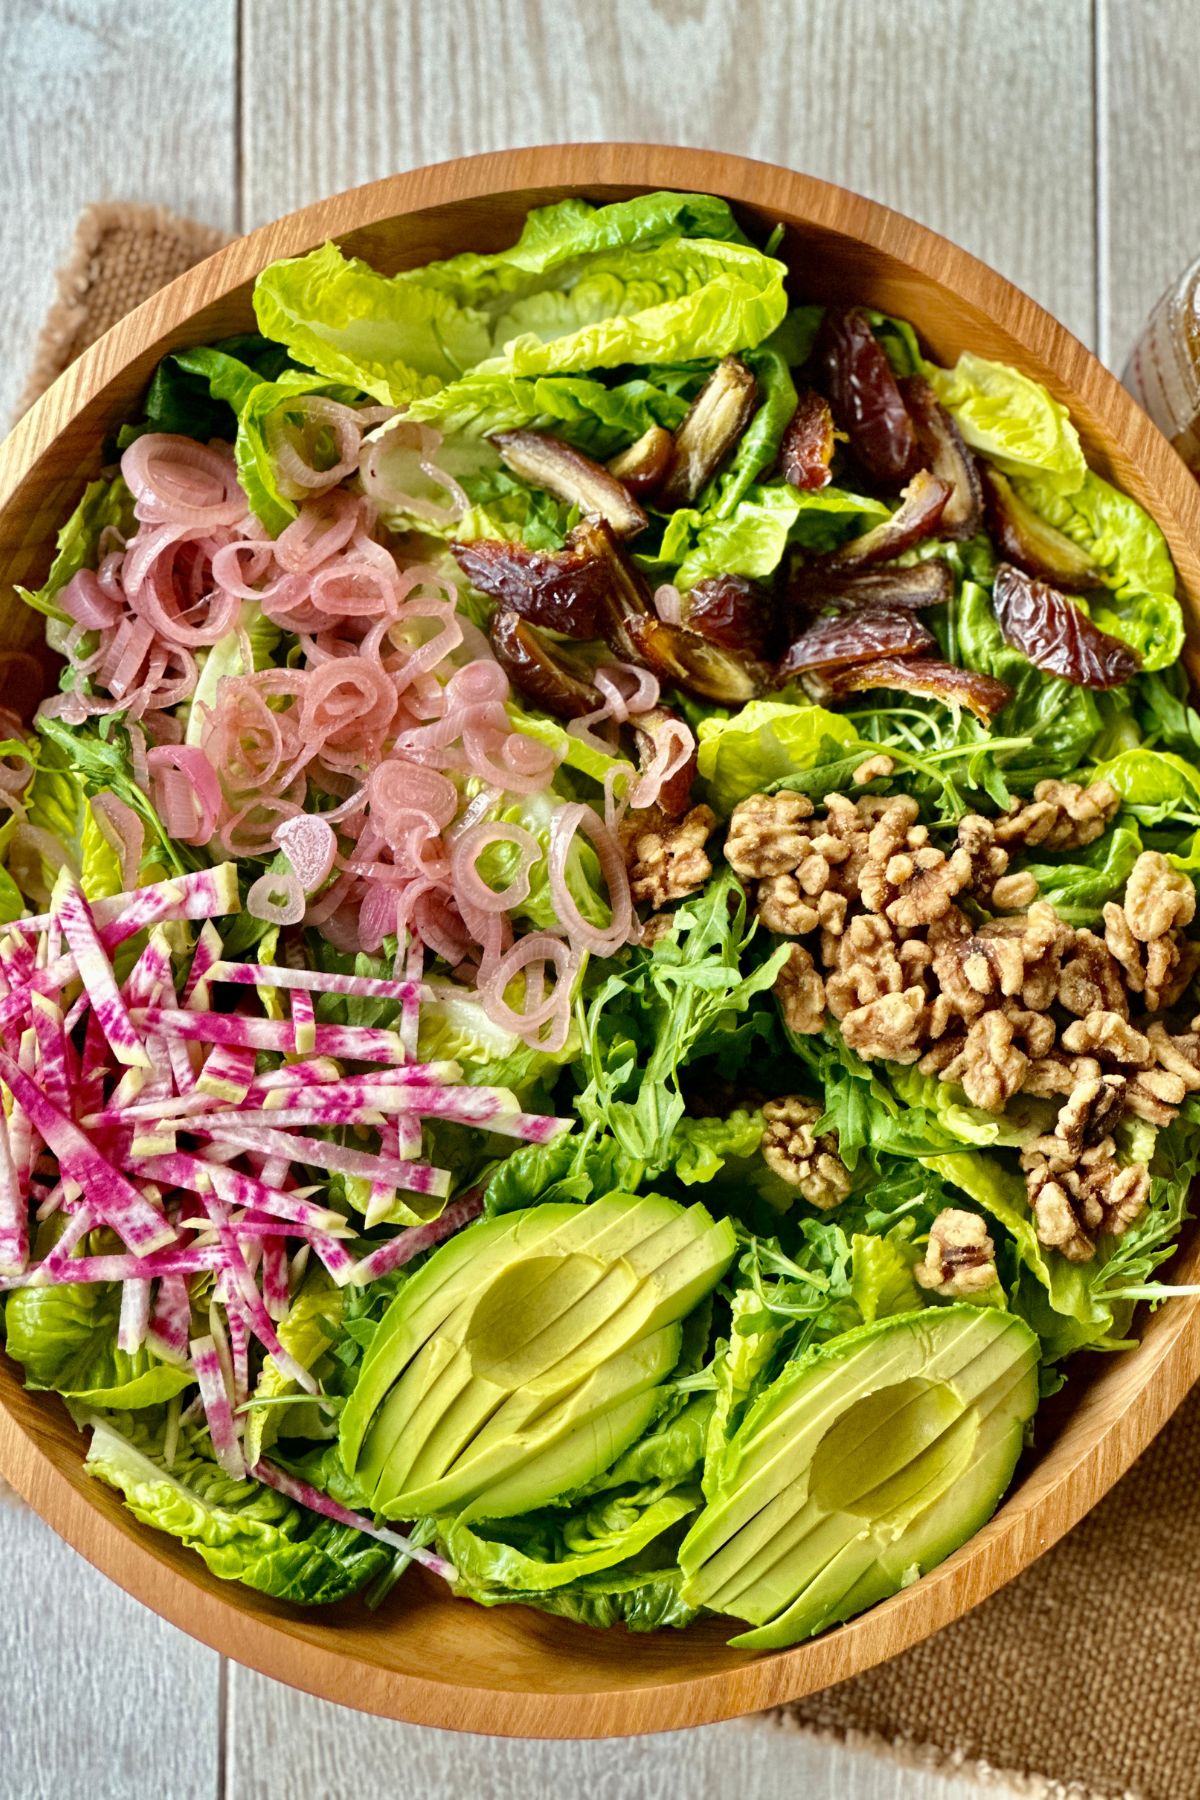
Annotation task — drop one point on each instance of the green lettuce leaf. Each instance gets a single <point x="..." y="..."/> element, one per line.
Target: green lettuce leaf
<point x="198" y="393"/>
<point x="310" y="1329"/>
<point x="65" y="1338"/>
<point x="598" y="420"/>
<point x="881" y="1278"/>
<point x="762" y="745"/>
<point x="701" y="1148"/>
<point x="1011" y="419"/>
<point x="1078" y="883"/>
<point x="104" y="503"/>
<point x="244" y="1531"/>
<point x="1156" y="786"/>
<point x="1132" y="556"/>
<point x="750" y="538"/>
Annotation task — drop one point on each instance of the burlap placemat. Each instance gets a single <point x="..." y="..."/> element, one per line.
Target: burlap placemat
<point x="1075" y="1679"/>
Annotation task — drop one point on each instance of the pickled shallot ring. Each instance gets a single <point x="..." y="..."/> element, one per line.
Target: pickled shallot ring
<point x="471" y="885"/>
<point x="278" y="899"/>
<point x="529" y="957"/>
<point x="309" y="843"/>
<point x="189" y="804"/>
<point x="570" y="821"/>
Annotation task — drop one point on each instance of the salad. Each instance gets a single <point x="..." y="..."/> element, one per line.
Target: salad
<point x="598" y="948"/>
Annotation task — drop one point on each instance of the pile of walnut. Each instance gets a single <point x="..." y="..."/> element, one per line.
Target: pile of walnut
<point x="1020" y="1004"/>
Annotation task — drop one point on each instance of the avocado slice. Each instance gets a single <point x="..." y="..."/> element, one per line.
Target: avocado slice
<point x="862" y="1466"/>
<point x="529" y="1361"/>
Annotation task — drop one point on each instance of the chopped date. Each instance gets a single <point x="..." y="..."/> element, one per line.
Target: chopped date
<point x="917" y="517"/>
<point x="676" y="791"/>
<point x="694" y="662"/>
<point x="865" y="398"/>
<point x="943" y="448"/>
<point x="548" y="463"/>
<point x="625" y="593"/>
<point x="564" y="590"/>
<point x="1026" y="539"/>
<point x="709" y="433"/>
<point x="732" y="610"/>
<point x="806" y="451"/>
<point x="643" y="467"/>
<point x="981" y="694"/>
<point x="547" y="672"/>
<point x="1056" y="635"/>
<point x="854" y="637"/>
<point x="914" y="586"/>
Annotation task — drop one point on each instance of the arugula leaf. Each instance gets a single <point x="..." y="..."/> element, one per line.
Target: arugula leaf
<point x="684" y="998"/>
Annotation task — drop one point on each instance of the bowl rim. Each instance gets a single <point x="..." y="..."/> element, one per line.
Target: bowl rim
<point x="1162" y="1368"/>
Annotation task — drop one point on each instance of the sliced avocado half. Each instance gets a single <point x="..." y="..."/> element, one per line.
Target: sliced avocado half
<point x="527" y="1354"/>
<point x="862" y="1466"/>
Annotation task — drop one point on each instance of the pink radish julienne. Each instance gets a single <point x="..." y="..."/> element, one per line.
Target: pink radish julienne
<point x="201" y="1138"/>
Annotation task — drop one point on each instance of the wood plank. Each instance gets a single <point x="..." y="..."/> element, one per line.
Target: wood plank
<point x="1147" y="103"/>
<point x="103" y="1698"/>
<point x="104" y="101"/>
<point x="975" y="118"/>
<point x="283" y="1745"/>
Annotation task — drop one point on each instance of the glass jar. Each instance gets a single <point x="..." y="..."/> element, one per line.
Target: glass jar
<point x="1163" y="372"/>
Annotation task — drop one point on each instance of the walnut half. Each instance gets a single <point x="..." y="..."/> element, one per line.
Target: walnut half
<point x="960" y="1258"/>
<point x="806" y="1161"/>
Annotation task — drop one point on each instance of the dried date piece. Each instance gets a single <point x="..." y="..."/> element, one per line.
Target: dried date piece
<point x="917" y="517"/>
<point x="547" y="462"/>
<point x="919" y="585"/>
<point x="866" y="400"/>
<point x="676" y="791"/>
<point x="1028" y="541"/>
<point x="563" y="590"/>
<point x="644" y="465"/>
<point x="715" y="421"/>
<point x="942" y="445"/>
<point x="624" y="593"/>
<point x="695" y="662"/>
<point x="981" y="694"/>
<point x="731" y="610"/>
<point x="854" y="637"/>
<point x="548" y="672"/>
<point x="1056" y="635"/>
<point x="806" y="452"/>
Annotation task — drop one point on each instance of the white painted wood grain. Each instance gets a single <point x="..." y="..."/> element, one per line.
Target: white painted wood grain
<point x="101" y="1697"/>
<point x="1148" y="111"/>
<point x="104" y="100"/>
<point x="287" y="1746"/>
<point x="974" y="116"/>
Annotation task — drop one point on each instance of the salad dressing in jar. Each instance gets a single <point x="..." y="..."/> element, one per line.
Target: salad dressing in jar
<point x="1163" y="372"/>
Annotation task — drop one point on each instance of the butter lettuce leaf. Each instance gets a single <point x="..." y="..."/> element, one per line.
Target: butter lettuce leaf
<point x="750" y="536"/>
<point x="763" y="744"/>
<point x="1012" y="419"/>
<point x="105" y="502"/>
<point x="244" y="1531"/>
<point x="65" y="1338"/>
<point x="1132" y="556"/>
<point x="597" y="419"/>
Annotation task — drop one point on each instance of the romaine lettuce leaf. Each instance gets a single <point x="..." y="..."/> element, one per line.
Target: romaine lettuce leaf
<point x="1011" y="419"/>
<point x="700" y="1148"/>
<point x="751" y="537"/>
<point x="881" y="1278"/>
<point x="597" y="419"/>
<point x="1078" y="884"/>
<point x="1156" y="786"/>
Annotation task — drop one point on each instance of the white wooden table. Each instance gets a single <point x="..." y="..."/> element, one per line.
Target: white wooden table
<point x="1052" y="137"/>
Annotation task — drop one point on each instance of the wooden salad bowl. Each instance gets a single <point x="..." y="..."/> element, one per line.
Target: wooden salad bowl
<point x="426" y="1657"/>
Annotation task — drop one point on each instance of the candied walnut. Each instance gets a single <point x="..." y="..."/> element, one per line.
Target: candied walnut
<point x="666" y="857"/>
<point x="960" y="1258"/>
<point x="1156" y="1095"/>
<point x="1077" y="1189"/>
<point x="801" y="993"/>
<point x="1061" y="816"/>
<point x="904" y="876"/>
<point x="866" y="965"/>
<point x="801" y="1157"/>
<point x="892" y="1027"/>
<point x="784" y="907"/>
<point x="1157" y="898"/>
<point x="1058" y="1074"/>
<point x="655" y="927"/>
<point x="1013" y="893"/>
<point x="977" y="836"/>
<point x="989" y="1067"/>
<point x="1090" y="978"/>
<point x="1178" y="1053"/>
<point x="1110" y="1037"/>
<point x="1042" y="940"/>
<point x="876" y="768"/>
<point x="768" y="834"/>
